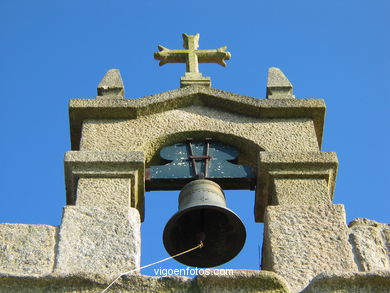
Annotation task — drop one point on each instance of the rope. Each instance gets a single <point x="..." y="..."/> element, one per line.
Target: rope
<point x="200" y="245"/>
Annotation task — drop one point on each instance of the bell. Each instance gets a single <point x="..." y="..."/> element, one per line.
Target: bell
<point x="203" y="216"/>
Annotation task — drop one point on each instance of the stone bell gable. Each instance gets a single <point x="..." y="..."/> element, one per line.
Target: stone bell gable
<point x="115" y="140"/>
<point x="146" y="124"/>
<point x="307" y="245"/>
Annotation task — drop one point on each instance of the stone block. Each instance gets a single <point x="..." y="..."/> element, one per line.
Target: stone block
<point x="27" y="249"/>
<point x="301" y="242"/>
<point x="105" y="178"/>
<point x="350" y="282"/>
<point x="386" y="237"/>
<point x="289" y="191"/>
<point x="278" y="86"/>
<point x="98" y="240"/>
<point x="241" y="281"/>
<point x="111" y="86"/>
<point x="195" y="78"/>
<point x="104" y="192"/>
<point x="370" y="243"/>
<point x="81" y="283"/>
<point x="294" y="178"/>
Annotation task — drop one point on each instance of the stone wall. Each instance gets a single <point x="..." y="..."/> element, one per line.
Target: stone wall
<point x="27" y="249"/>
<point x="241" y="281"/>
<point x="350" y="282"/>
<point x="89" y="241"/>
<point x="42" y="257"/>
<point x="287" y="135"/>
<point x="303" y="241"/>
<point x="370" y="242"/>
<point x="94" y="240"/>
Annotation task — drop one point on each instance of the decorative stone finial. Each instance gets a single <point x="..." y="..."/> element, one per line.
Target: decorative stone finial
<point x="192" y="57"/>
<point x="111" y="85"/>
<point x="278" y="86"/>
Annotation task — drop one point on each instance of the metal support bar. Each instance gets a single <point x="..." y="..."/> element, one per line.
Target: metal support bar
<point x="192" y="157"/>
<point x="194" y="160"/>
<point x="205" y="158"/>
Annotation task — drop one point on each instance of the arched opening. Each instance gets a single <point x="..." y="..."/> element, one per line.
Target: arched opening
<point x="162" y="205"/>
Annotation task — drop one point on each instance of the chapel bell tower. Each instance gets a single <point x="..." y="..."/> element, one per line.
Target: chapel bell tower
<point x="200" y="141"/>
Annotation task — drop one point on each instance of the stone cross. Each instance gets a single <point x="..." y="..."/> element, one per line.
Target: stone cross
<point x="192" y="57"/>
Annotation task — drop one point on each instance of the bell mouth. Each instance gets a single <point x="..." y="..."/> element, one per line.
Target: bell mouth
<point x="220" y="229"/>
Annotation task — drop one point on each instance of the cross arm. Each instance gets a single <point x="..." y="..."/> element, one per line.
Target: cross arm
<point x="217" y="56"/>
<point x="170" y="56"/>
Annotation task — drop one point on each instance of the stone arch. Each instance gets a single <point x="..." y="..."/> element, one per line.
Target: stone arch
<point x="249" y="155"/>
<point x="249" y="151"/>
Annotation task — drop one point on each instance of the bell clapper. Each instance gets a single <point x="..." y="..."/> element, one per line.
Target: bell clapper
<point x="201" y="237"/>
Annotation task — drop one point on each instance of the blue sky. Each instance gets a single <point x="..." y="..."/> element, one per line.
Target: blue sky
<point x="52" y="51"/>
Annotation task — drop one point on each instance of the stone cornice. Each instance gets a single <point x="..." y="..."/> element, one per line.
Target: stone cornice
<point x="83" y="109"/>
<point x="106" y="165"/>
<point x="292" y="166"/>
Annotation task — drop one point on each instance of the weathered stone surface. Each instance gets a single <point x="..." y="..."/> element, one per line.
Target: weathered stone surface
<point x="149" y="133"/>
<point x="299" y="178"/>
<point x="241" y="281"/>
<point x="101" y="178"/>
<point x="352" y="282"/>
<point x="278" y="86"/>
<point x="194" y="78"/>
<point x="301" y="165"/>
<point x="301" y="242"/>
<point x="370" y="244"/>
<point x="290" y="191"/>
<point x="259" y="282"/>
<point x="27" y="249"/>
<point x="386" y="236"/>
<point x="85" y="109"/>
<point x="111" y="86"/>
<point x="81" y="283"/>
<point x="98" y="240"/>
<point x="104" y="192"/>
